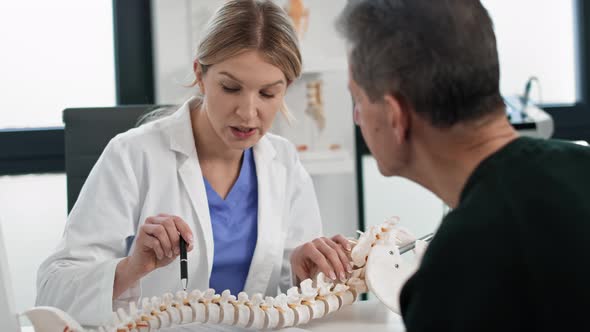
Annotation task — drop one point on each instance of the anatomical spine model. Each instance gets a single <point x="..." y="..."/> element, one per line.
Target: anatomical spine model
<point x="377" y="266"/>
<point x="300" y="15"/>
<point x="315" y="104"/>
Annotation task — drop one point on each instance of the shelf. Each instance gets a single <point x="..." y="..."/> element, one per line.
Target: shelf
<point x="327" y="162"/>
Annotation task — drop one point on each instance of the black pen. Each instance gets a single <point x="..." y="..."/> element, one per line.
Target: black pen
<point x="183" y="263"/>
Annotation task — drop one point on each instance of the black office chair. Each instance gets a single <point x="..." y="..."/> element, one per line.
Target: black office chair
<point x="87" y="132"/>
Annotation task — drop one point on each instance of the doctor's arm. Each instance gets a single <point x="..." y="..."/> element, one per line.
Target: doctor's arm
<point x="79" y="276"/>
<point x="156" y="245"/>
<point x="327" y="255"/>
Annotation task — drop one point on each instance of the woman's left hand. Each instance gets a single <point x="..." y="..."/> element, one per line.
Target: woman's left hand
<point x="327" y="255"/>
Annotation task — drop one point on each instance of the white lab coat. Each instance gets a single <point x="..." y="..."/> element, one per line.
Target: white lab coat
<point x="154" y="169"/>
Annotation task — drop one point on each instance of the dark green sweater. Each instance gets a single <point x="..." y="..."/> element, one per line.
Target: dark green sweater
<point x="515" y="253"/>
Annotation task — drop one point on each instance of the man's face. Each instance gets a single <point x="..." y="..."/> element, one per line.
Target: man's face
<point x="378" y="127"/>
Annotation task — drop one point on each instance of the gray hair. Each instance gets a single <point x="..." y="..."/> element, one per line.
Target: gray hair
<point x="437" y="56"/>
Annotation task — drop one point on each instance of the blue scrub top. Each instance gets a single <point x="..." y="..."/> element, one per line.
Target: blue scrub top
<point x="235" y="228"/>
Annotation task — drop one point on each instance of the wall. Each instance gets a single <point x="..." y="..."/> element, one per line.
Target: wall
<point x="33" y="215"/>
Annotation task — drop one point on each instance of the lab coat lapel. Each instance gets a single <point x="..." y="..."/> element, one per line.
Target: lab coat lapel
<point x="192" y="178"/>
<point x="182" y="141"/>
<point x="271" y="192"/>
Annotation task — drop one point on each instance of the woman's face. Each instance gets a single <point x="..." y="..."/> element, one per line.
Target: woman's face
<point x="242" y="97"/>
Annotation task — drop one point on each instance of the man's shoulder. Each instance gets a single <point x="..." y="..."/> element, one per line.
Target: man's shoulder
<point x="525" y="192"/>
<point x="477" y="225"/>
<point x="529" y="171"/>
<point x="474" y="221"/>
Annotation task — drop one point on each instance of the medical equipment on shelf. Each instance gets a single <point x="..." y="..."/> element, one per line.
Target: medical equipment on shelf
<point x="527" y="118"/>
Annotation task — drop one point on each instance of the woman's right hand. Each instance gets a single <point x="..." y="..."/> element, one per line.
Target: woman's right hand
<point x="158" y="243"/>
<point x="327" y="255"/>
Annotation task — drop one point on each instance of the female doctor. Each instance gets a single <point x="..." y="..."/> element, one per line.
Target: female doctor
<point x="209" y="172"/>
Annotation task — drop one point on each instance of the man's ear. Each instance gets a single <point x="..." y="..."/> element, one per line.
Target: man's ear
<point x="399" y="116"/>
<point x="198" y="69"/>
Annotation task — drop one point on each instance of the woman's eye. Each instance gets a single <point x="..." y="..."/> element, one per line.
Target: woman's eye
<point x="266" y="95"/>
<point x="230" y="90"/>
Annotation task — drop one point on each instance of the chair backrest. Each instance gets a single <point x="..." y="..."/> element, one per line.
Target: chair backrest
<point x="87" y="132"/>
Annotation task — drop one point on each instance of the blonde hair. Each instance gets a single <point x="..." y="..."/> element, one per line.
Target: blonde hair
<point x="241" y="25"/>
<point x="260" y="25"/>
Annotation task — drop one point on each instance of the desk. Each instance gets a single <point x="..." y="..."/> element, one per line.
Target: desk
<point x="358" y="317"/>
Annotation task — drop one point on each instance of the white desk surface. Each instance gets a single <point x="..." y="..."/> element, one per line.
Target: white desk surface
<point x="362" y="315"/>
